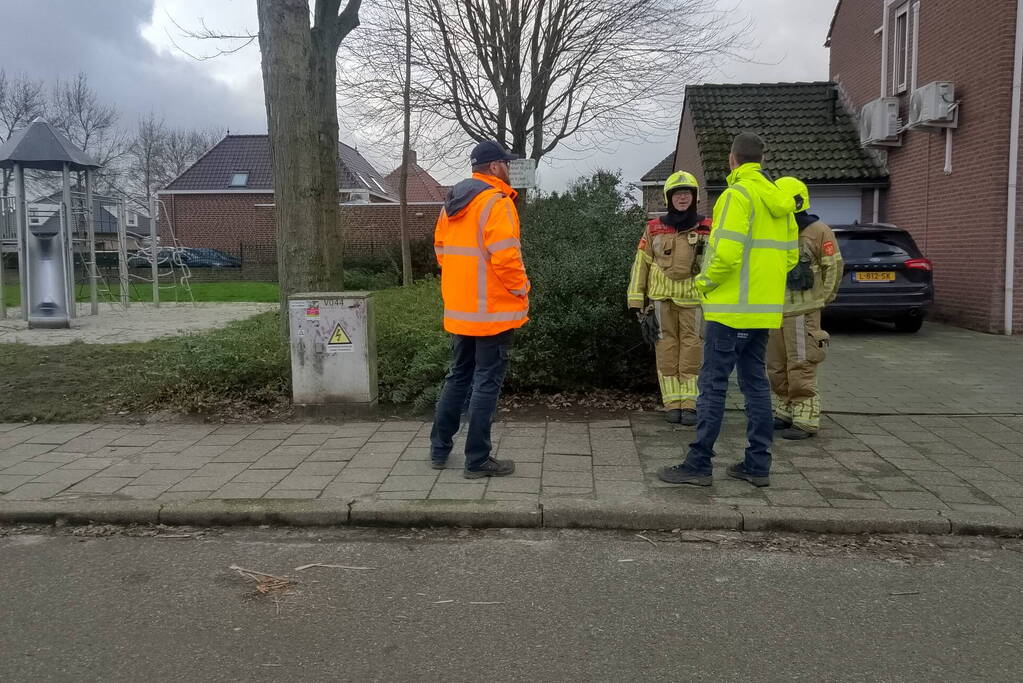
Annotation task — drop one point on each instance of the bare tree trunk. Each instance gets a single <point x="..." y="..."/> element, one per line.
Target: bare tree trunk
<point x="406" y="248"/>
<point x="299" y="81"/>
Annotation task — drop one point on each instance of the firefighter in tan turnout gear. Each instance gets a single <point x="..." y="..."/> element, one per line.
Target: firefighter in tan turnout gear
<point x="795" y="351"/>
<point x="667" y="261"/>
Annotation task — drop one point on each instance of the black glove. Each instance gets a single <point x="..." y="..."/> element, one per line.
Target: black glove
<point x="800" y="278"/>
<point x="649" y="328"/>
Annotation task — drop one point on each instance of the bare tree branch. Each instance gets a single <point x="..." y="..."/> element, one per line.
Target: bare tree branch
<point x="534" y="74"/>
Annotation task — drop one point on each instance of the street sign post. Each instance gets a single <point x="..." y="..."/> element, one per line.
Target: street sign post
<point x="522" y="173"/>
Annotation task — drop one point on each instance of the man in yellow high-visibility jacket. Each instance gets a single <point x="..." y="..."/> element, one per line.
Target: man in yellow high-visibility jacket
<point x="753" y="245"/>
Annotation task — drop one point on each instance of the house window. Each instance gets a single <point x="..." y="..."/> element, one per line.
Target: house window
<point x="132" y="219"/>
<point x="900" y="51"/>
<point x="239" y="179"/>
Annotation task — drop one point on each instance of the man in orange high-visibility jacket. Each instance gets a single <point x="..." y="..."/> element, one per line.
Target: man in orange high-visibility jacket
<point x="486" y="297"/>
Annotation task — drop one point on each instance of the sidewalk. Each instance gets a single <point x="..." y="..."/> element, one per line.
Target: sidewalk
<point x="929" y="474"/>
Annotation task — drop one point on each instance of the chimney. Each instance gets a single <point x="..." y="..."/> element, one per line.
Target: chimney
<point x="413" y="158"/>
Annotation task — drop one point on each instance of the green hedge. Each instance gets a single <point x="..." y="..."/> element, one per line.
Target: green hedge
<point x="578" y="247"/>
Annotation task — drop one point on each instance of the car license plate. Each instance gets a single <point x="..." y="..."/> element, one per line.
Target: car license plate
<point x="882" y="276"/>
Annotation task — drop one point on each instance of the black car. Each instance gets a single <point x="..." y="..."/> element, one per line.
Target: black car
<point x="193" y="257"/>
<point x="886" y="276"/>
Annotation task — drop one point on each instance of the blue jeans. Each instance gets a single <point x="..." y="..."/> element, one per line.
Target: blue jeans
<point x="477" y="368"/>
<point x="725" y="348"/>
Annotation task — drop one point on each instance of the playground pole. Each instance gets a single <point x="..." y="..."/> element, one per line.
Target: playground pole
<point x="69" y="247"/>
<point x="91" y="222"/>
<point x="154" y="212"/>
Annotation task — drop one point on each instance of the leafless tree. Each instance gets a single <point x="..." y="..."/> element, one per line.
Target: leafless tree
<point x="536" y="74"/>
<point x="299" y="63"/>
<point x="92" y="125"/>
<point x="157" y="155"/>
<point x="406" y="117"/>
<point x="145" y="156"/>
<point x="182" y="148"/>
<point x="299" y="80"/>
<point x="21" y="100"/>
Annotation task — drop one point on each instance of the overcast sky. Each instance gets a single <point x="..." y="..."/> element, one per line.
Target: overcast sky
<point x="127" y="49"/>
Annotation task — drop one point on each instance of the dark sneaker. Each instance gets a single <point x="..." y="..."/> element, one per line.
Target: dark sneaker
<point x="674" y="416"/>
<point x="780" y="424"/>
<point x="738" y="471"/>
<point x="688" y="418"/>
<point x="682" y="474"/>
<point x="438" y="464"/>
<point x="796" y="434"/>
<point x="491" y="468"/>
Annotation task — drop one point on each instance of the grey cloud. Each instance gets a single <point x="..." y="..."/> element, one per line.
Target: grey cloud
<point x="102" y="38"/>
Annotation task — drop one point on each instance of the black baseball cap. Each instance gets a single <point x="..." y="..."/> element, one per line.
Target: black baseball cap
<point x="488" y="151"/>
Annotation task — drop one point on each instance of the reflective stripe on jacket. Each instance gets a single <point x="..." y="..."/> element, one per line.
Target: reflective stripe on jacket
<point x="483" y="279"/>
<point x="817" y="243"/>
<point x="666" y="264"/>
<point x="753" y="245"/>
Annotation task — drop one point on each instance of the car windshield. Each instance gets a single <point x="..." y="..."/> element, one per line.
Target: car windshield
<point x="886" y="245"/>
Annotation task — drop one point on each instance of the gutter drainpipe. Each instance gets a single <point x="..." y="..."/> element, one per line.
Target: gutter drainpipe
<point x="1013" y="187"/>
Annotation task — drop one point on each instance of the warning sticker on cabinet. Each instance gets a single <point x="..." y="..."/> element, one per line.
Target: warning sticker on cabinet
<point x="339" y="341"/>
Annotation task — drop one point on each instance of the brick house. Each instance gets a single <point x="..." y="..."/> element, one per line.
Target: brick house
<point x="953" y="155"/>
<point x="808" y="133"/>
<point x="652" y="185"/>
<point x="225" y="201"/>
<point x="423" y="188"/>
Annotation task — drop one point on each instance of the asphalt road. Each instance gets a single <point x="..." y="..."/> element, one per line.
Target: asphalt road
<point x="81" y="605"/>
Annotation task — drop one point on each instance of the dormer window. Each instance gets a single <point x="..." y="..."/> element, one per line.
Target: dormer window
<point x="239" y="179"/>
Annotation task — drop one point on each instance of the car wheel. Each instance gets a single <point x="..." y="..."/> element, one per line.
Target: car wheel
<point x="909" y="323"/>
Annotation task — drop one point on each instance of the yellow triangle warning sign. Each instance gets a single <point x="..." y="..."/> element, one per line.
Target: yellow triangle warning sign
<point x="339" y="337"/>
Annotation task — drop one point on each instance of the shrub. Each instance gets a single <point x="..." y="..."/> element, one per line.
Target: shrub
<point x="246" y="361"/>
<point x="578" y="248"/>
<point x="358" y="279"/>
<point x="413" y="350"/>
<point x="382" y="268"/>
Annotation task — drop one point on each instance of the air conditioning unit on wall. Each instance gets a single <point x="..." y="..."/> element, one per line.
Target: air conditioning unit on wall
<point x="933" y="105"/>
<point x="879" y="122"/>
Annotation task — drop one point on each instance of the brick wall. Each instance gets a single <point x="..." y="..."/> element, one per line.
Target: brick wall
<point x="653" y="200"/>
<point x="218" y="221"/>
<point x="958" y="219"/>
<point x="229" y="221"/>
<point x="369" y="229"/>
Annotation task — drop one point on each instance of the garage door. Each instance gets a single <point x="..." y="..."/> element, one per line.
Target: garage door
<point x="836" y="207"/>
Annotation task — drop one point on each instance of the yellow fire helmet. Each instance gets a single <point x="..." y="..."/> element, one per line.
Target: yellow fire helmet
<point x="677" y="180"/>
<point x="796" y="188"/>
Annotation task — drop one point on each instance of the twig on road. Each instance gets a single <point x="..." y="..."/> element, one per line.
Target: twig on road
<point x="332" y="566"/>
<point x="653" y="543"/>
<point x="265" y="583"/>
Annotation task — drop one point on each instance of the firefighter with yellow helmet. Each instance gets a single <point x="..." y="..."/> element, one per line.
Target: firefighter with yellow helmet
<point x="795" y="350"/>
<point x="668" y="259"/>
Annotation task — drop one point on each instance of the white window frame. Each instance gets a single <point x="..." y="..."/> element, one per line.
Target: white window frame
<point x="132" y="219"/>
<point x="235" y="174"/>
<point x="901" y="67"/>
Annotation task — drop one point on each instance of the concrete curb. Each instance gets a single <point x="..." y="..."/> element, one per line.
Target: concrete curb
<point x="460" y="513"/>
<point x="981" y="524"/>
<point x="80" y="512"/>
<point x="552" y="513"/>
<point x="636" y="514"/>
<point x="833" y="521"/>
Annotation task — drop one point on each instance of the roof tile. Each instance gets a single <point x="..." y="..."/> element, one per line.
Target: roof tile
<point x="251" y="153"/>
<point x="807" y="131"/>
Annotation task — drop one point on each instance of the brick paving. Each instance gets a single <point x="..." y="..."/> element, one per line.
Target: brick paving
<point x="935" y="463"/>
<point x="931" y="421"/>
